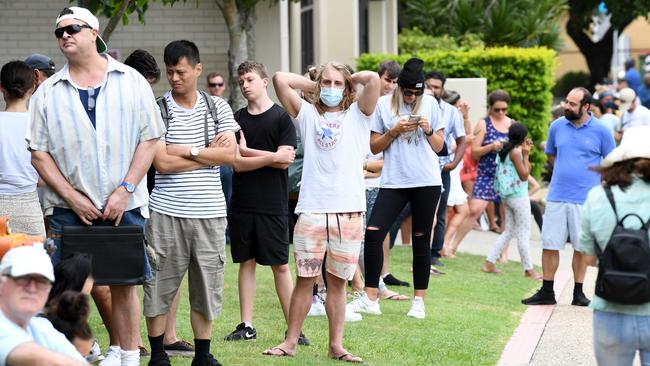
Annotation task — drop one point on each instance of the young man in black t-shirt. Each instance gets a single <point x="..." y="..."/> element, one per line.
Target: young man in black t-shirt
<point x="258" y="215"/>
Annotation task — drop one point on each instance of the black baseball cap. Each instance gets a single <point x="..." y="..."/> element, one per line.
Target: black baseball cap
<point x="40" y="62"/>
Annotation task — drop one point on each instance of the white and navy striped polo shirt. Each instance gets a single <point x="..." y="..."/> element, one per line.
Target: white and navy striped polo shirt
<point x="194" y="194"/>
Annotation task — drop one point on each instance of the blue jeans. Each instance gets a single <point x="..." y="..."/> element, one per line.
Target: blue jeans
<point x="62" y="216"/>
<point x="618" y="336"/>
<point x="441" y="217"/>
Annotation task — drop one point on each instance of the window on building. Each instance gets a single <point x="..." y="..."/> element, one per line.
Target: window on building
<point x="306" y="33"/>
<point x="363" y="26"/>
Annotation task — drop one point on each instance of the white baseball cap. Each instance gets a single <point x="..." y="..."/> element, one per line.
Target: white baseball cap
<point x="25" y="260"/>
<point x="626" y="96"/>
<point x="85" y="16"/>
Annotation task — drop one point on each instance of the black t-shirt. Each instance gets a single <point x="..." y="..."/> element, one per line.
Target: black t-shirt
<point x="264" y="190"/>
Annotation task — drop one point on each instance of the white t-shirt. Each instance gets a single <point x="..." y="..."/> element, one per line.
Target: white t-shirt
<point x="373" y="182"/>
<point x="640" y="116"/>
<point x="40" y="331"/>
<point x="335" y="146"/>
<point x="17" y="175"/>
<point x="197" y="193"/>
<point x="409" y="161"/>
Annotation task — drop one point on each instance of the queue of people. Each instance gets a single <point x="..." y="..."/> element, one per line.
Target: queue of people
<point x="402" y="129"/>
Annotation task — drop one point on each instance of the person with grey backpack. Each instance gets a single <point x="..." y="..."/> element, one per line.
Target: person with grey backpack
<point x="615" y="223"/>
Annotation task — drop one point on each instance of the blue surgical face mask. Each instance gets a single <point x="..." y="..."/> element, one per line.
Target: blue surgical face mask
<point x="331" y="96"/>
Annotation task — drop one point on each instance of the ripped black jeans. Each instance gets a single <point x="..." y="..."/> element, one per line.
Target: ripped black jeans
<point x="390" y="202"/>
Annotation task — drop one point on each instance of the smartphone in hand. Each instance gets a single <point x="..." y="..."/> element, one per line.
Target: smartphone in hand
<point x="414" y="118"/>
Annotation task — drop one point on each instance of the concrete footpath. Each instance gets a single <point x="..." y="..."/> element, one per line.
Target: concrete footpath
<point x="551" y="334"/>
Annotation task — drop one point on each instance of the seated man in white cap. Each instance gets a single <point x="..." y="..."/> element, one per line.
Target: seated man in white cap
<point x="26" y="276"/>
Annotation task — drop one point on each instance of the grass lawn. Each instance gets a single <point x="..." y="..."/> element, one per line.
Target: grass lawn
<point x="470" y="317"/>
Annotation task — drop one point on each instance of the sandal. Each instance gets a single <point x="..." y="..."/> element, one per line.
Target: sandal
<point x="393" y="296"/>
<point x="283" y="353"/>
<point x="348" y="357"/>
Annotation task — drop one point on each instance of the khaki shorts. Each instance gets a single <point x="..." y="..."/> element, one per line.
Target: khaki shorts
<point x="339" y="234"/>
<point x="182" y="245"/>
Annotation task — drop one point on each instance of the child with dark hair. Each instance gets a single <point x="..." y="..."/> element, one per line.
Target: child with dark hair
<point x="69" y="315"/>
<point x="511" y="183"/>
<point x="72" y="273"/>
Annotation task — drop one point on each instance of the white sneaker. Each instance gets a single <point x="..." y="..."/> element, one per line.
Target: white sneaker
<point x="417" y="309"/>
<point x="351" y="316"/>
<point x="95" y="353"/>
<point x="363" y="304"/>
<point x="317" y="307"/>
<point x="112" y="357"/>
<point x="130" y="358"/>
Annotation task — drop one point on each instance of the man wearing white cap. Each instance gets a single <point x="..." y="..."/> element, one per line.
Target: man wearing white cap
<point x="634" y="113"/>
<point x="93" y="132"/>
<point x="25" y="339"/>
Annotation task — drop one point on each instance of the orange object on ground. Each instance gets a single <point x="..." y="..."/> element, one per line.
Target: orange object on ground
<point x="8" y="241"/>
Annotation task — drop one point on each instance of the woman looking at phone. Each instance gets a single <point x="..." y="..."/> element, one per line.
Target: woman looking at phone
<point x="407" y="127"/>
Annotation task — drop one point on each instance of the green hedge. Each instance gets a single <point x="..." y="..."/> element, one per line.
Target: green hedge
<point x="525" y="73"/>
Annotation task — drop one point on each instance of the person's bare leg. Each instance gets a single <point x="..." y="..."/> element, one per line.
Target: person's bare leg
<point x="156" y="325"/>
<point x="492" y="218"/>
<point x="300" y="304"/>
<point x="170" y="322"/>
<point x="357" y="281"/>
<point x="247" y="290"/>
<point x="462" y="211"/>
<point x="550" y="263"/>
<point x="201" y="326"/>
<point x="386" y="249"/>
<point x="476" y="208"/>
<point x="126" y="316"/>
<point x="102" y="297"/>
<point x="406" y="230"/>
<point x="579" y="267"/>
<point x="283" y="287"/>
<point x="335" y="307"/>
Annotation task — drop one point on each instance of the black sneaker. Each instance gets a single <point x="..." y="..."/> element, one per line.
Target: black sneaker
<point x="208" y="360"/>
<point x="302" y="340"/>
<point x="580" y="300"/>
<point x="435" y="261"/>
<point x="242" y="333"/>
<point x="540" y="298"/>
<point x="392" y="281"/>
<point x="159" y="359"/>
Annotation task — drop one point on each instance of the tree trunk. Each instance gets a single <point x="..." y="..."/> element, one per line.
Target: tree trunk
<point x="237" y="50"/>
<point x="598" y="55"/>
<point x="112" y="23"/>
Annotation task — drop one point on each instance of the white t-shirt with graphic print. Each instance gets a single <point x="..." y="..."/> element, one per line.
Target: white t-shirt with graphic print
<point x="335" y="146"/>
<point x="409" y="161"/>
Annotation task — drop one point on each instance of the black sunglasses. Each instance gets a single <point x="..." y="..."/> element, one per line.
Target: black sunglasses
<point x="410" y="93"/>
<point x="215" y="85"/>
<point x="70" y="29"/>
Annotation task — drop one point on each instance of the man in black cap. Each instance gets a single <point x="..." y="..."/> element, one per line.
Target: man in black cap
<point x="43" y="67"/>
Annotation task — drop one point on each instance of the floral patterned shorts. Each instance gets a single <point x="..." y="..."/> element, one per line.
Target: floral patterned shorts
<point x="338" y="234"/>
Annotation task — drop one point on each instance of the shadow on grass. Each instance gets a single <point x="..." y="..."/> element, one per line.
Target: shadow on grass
<point x="470" y="317"/>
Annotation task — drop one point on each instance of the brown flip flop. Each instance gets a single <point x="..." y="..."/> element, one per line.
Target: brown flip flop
<point x="269" y="352"/>
<point x="348" y="357"/>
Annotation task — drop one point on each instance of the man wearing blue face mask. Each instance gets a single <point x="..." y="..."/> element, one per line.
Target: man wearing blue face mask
<point x="334" y="129"/>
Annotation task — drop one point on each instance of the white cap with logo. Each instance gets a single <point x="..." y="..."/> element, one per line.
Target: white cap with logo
<point x="87" y="17"/>
<point x="26" y="260"/>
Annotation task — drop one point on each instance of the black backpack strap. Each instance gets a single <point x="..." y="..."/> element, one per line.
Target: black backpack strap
<point x="212" y="109"/>
<point x="164" y="110"/>
<point x="610" y="198"/>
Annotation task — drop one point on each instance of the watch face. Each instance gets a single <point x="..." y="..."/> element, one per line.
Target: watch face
<point x="194" y="151"/>
<point x="128" y="186"/>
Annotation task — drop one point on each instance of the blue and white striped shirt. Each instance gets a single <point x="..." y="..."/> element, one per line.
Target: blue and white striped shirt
<point x="453" y="122"/>
<point x="94" y="160"/>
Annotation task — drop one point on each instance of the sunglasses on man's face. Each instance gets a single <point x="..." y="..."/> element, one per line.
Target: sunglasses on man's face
<point x="215" y="85"/>
<point x="410" y="93"/>
<point x="70" y="29"/>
